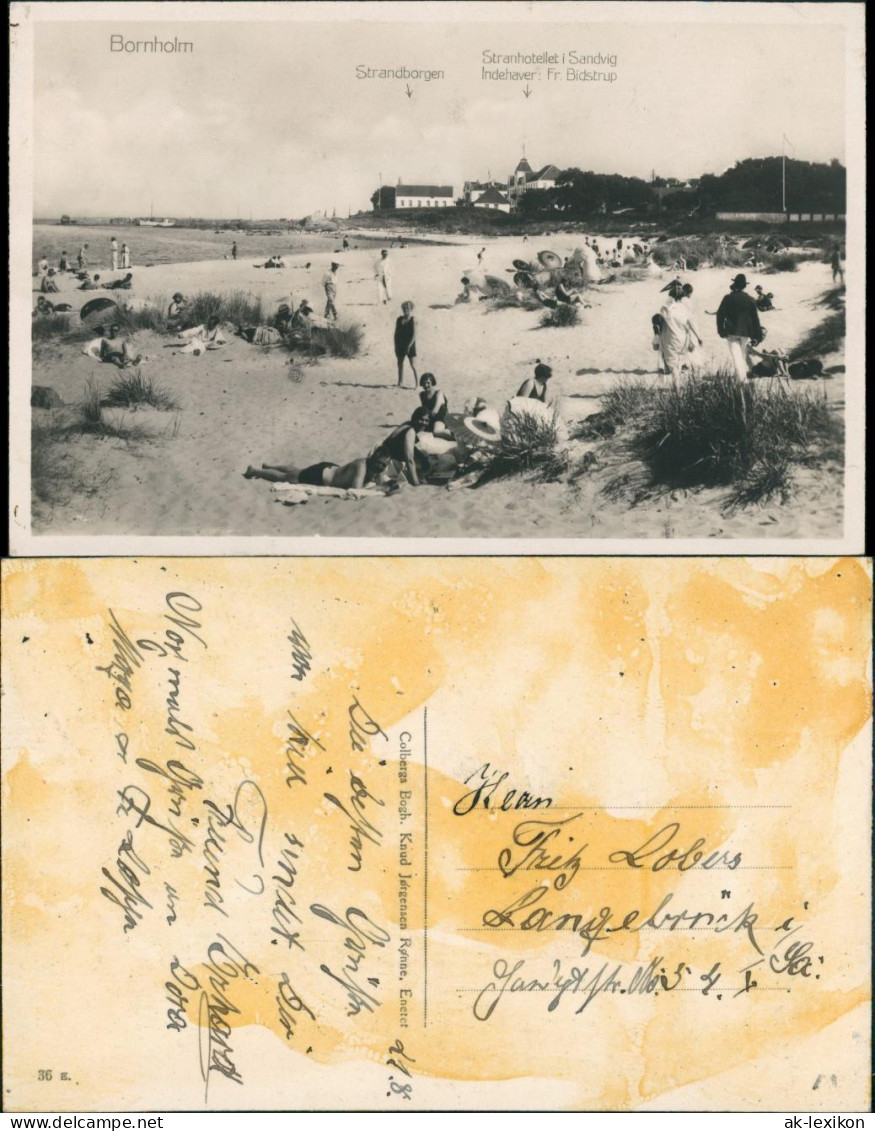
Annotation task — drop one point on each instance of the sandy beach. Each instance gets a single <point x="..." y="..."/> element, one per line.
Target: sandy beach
<point x="239" y="406"/>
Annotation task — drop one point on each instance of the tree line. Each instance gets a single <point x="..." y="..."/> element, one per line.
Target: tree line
<point x="752" y="185"/>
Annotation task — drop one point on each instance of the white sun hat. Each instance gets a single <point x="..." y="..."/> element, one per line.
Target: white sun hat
<point x="486" y="425"/>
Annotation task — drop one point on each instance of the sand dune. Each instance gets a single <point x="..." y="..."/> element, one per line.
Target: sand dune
<point x="239" y="406"/>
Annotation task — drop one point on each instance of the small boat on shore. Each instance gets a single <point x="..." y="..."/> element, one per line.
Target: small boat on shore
<point x="165" y="223"/>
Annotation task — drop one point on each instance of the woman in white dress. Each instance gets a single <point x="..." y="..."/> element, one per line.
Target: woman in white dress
<point x="678" y="337"/>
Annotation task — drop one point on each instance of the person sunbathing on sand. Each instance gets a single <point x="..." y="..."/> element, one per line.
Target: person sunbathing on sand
<point x="204" y="337"/>
<point x="49" y="285"/>
<point x="117" y="350"/>
<point x="400" y="446"/>
<point x="124" y="284"/>
<point x="772" y="363"/>
<point x="356" y="474"/>
<point x="90" y="284"/>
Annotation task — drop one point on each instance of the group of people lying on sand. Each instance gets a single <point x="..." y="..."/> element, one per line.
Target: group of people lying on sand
<point x="400" y="448"/>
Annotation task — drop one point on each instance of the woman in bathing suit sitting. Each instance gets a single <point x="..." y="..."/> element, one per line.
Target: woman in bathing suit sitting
<point x="535" y="388"/>
<point x="358" y="473"/>
<point x="431" y="415"/>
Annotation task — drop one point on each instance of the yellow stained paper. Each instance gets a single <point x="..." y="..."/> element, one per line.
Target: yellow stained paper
<point x="436" y="833"/>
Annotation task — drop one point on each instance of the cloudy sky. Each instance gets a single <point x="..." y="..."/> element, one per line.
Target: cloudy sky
<point x="269" y="119"/>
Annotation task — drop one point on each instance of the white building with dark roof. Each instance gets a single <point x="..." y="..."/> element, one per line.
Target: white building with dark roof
<point x="493" y="199"/>
<point x="524" y="178"/>
<point x="424" y="196"/>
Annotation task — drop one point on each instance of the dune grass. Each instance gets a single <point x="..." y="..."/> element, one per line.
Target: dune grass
<point x="783" y="262"/>
<point x="698" y="251"/>
<point x="342" y="339"/>
<point x="714" y="433"/>
<point x="525" y="300"/>
<point x="46" y="326"/>
<point x="130" y="388"/>
<point x="239" y="307"/>
<point x="530" y="445"/>
<point x="151" y="316"/>
<point x="565" y="314"/>
<point x="90" y="420"/>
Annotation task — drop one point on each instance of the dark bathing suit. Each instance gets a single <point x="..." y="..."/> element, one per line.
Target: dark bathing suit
<point x="314" y="474"/>
<point x="405" y="333"/>
<point x="425" y="414"/>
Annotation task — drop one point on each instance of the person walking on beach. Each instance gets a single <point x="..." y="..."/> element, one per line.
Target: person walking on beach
<point x="678" y="337"/>
<point x="405" y="342"/>
<point x="739" y="324"/>
<point x="126" y="257"/>
<point x="480" y="255"/>
<point x="62" y="263"/>
<point x="345" y="244"/>
<point x="383" y="275"/>
<point x="329" y="285"/>
<point x="234" y="250"/>
<point x="113" y="249"/>
<point x="82" y="257"/>
<point x="838" y="274"/>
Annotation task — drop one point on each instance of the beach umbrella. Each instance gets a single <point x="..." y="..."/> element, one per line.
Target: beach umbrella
<point x="98" y="310"/>
<point x="522" y="265"/>
<point x="549" y="259"/>
<point x="524" y="279"/>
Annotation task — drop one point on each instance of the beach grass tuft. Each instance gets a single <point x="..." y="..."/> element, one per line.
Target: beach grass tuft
<point x="529" y="444"/>
<point x="91" y="420"/>
<point x="712" y="432"/>
<point x="565" y="314"/>
<point x="46" y="326"/>
<point x="342" y="339"/>
<point x="151" y="316"/>
<point x="239" y="307"/>
<point x="783" y="262"/>
<point x="525" y="300"/>
<point x="131" y="388"/>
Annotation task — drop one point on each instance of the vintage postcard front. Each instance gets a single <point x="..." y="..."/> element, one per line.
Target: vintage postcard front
<point x="406" y="278"/>
<point x="430" y="834"/>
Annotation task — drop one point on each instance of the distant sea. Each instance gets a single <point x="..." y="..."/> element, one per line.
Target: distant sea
<point x="174" y="245"/>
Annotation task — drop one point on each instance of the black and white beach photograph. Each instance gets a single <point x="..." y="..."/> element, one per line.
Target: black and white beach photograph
<point x="439" y="275"/>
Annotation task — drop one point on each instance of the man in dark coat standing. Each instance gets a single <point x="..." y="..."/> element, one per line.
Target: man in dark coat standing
<point x="739" y="323"/>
